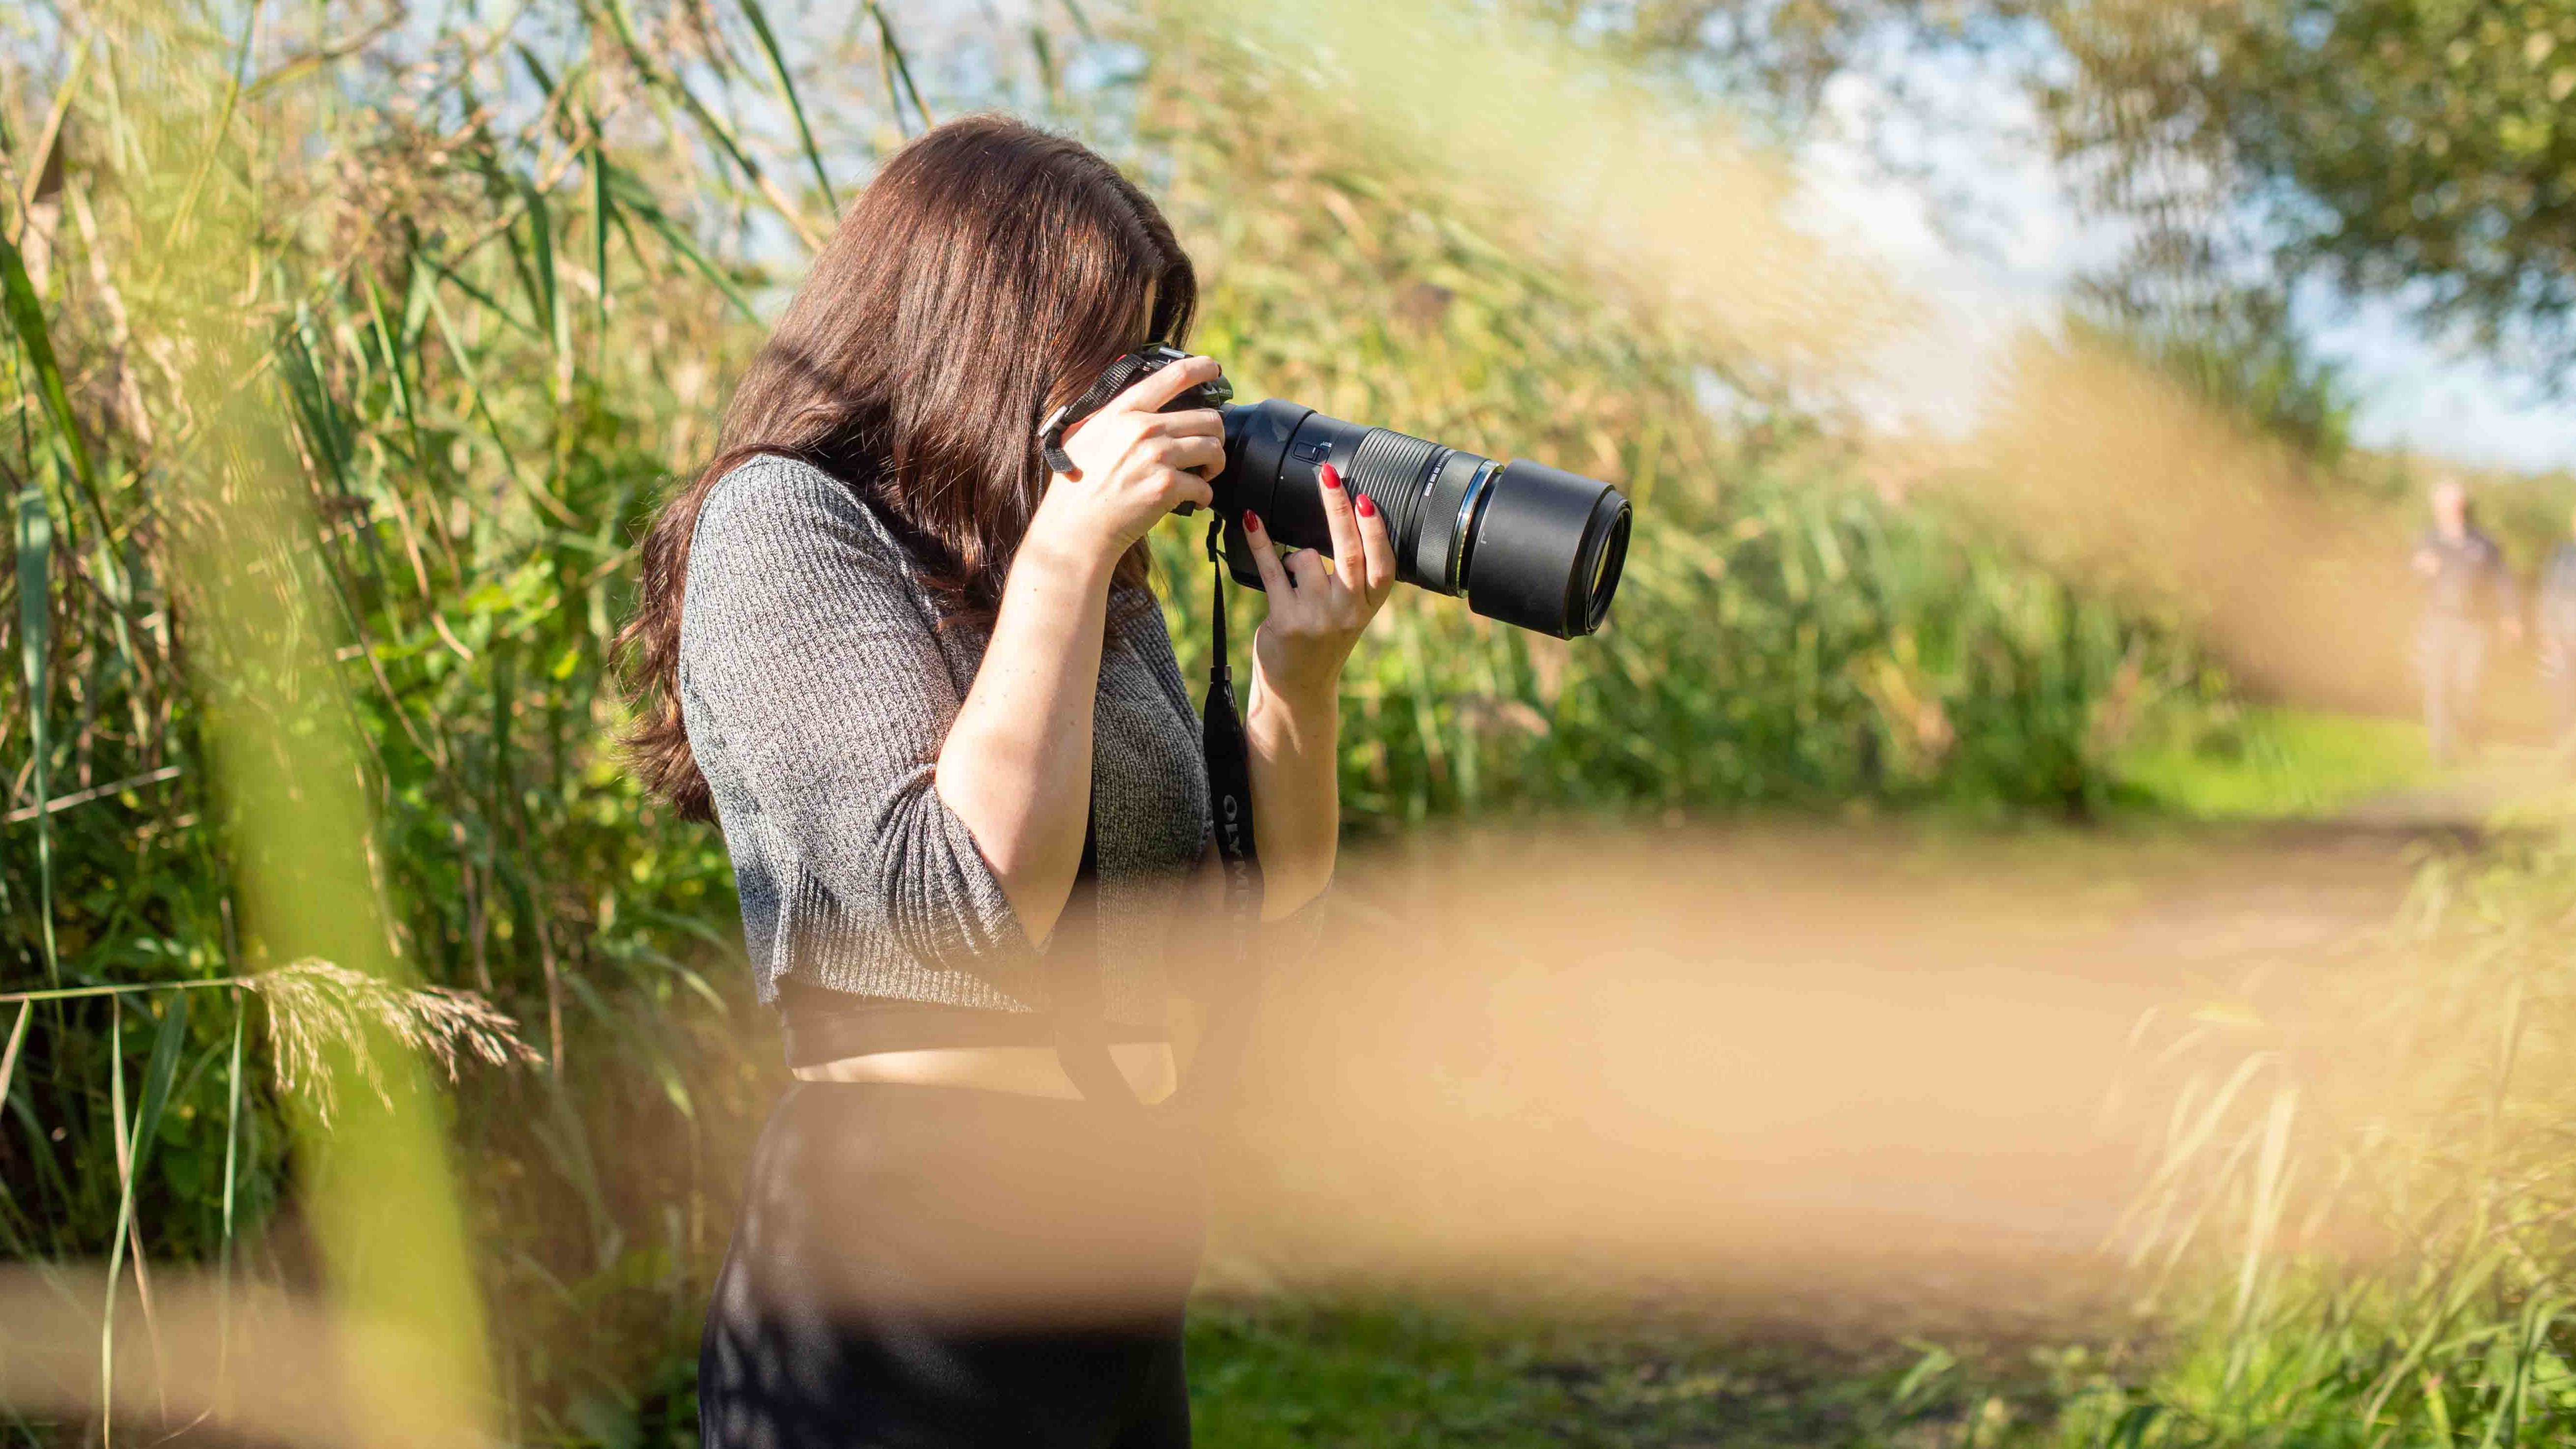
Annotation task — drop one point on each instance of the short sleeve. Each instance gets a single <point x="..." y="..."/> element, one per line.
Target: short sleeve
<point x="805" y="643"/>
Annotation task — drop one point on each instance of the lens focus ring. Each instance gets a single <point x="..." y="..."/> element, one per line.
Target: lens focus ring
<point x="1390" y="468"/>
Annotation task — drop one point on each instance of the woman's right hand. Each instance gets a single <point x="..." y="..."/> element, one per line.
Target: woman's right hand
<point x="1133" y="464"/>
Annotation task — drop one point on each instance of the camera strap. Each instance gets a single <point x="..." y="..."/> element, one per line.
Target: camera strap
<point x="1230" y="986"/>
<point x="1112" y="381"/>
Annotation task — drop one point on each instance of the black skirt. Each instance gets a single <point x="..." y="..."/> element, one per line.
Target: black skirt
<point x="938" y="1268"/>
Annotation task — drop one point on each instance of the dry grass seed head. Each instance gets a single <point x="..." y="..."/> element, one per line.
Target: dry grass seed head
<point x="315" y="1005"/>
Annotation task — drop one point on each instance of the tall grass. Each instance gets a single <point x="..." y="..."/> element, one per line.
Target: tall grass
<point x="491" y="286"/>
<point x="2362" y="1214"/>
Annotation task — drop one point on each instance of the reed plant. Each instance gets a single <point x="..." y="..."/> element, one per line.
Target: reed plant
<point x="2358" y="1224"/>
<point x="489" y="275"/>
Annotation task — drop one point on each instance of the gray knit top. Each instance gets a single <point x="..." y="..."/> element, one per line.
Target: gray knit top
<point x="817" y="688"/>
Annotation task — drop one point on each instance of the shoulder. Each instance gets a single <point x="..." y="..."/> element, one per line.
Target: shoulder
<point x="778" y="537"/>
<point x="773" y="522"/>
<point x="770" y="495"/>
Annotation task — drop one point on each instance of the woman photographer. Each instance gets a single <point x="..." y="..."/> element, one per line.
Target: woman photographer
<point x="905" y="668"/>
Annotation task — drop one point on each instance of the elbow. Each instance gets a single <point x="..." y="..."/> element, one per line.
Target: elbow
<point x="945" y="900"/>
<point x="1038" y="891"/>
<point x="1036" y="881"/>
<point x="1286" y="892"/>
<point x="1037" y="910"/>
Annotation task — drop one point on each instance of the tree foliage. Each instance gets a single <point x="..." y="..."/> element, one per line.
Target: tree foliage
<point x="2417" y="149"/>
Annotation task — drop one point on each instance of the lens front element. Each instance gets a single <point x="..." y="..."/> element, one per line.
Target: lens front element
<point x="1545" y="548"/>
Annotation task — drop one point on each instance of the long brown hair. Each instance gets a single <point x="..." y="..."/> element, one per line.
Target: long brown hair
<point x="986" y="275"/>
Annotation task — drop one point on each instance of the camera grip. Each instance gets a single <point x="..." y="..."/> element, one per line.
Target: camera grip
<point x="1238" y="554"/>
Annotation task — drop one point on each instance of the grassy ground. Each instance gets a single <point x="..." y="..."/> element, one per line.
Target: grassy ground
<point x="1265" y="1375"/>
<point x="2264" y="764"/>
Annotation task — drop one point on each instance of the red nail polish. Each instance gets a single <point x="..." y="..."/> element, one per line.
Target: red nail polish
<point x="1332" y="479"/>
<point x="1368" y="506"/>
<point x="1251" y="521"/>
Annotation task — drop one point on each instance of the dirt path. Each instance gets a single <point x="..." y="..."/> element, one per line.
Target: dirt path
<point x="1829" y="1073"/>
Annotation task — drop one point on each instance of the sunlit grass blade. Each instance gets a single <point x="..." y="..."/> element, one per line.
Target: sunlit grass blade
<point x="890" y="53"/>
<point x="233" y="1129"/>
<point x="17" y="1039"/>
<point x="795" y="106"/>
<point x="34" y="529"/>
<point x="712" y="125"/>
<point x="27" y="319"/>
<point x="545" y="294"/>
<point x="635" y="199"/>
<point x="2270" y="1188"/>
<point x="430" y="266"/>
<point x="482" y="409"/>
<point x="124" y="1212"/>
<point x="166" y="1046"/>
<point x="325" y="432"/>
<point x="598" y="168"/>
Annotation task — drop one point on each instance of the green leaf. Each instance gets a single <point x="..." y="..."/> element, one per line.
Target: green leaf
<point x="545" y="296"/>
<point x="634" y="200"/>
<point x="778" y="67"/>
<point x="599" y="211"/>
<point x="27" y="318"/>
<point x="17" y="1037"/>
<point x="156" y="1077"/>
<point x="233" y="1133"/>
<point x="655" y="75"/>
<point x="35" y="538"/>
<point x="890" y="52"/>
<point x="124" y="1201"/>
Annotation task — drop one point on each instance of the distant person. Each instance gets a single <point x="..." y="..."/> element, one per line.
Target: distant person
<point x="2557" y="611"/>
<point x="2468" y="591"/>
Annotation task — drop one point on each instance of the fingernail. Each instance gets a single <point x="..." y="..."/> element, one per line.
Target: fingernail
<point x="1331" y="478"/>
<point x="1368" y="506"/>
<point x="1251" y="521"/>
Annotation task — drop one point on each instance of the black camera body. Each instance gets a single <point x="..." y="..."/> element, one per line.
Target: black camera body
<point x="1526" y="544"/>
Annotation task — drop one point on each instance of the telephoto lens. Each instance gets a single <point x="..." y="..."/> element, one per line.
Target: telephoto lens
<point x="1523" y="543"/>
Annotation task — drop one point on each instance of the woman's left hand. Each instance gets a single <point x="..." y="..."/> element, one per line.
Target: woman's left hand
<point x="1319" y="606"/>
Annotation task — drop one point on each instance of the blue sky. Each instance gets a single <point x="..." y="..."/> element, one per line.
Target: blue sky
<point x="2442" y="403"/>
<point x="1987" y="233"/>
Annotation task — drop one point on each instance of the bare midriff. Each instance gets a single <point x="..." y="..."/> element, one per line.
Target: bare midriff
<point x="1028" y="1071"/>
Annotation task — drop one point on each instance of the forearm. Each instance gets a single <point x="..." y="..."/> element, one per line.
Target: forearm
<point x="1296" y="792"/>
<point x="1016" y="765"/>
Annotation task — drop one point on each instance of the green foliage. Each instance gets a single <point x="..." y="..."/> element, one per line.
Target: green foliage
<point x="1391" y="1373"/>
<point x="2237" y="763"/>
<point x="2420" y="149"/>
<point x="2364" y="1208"/>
